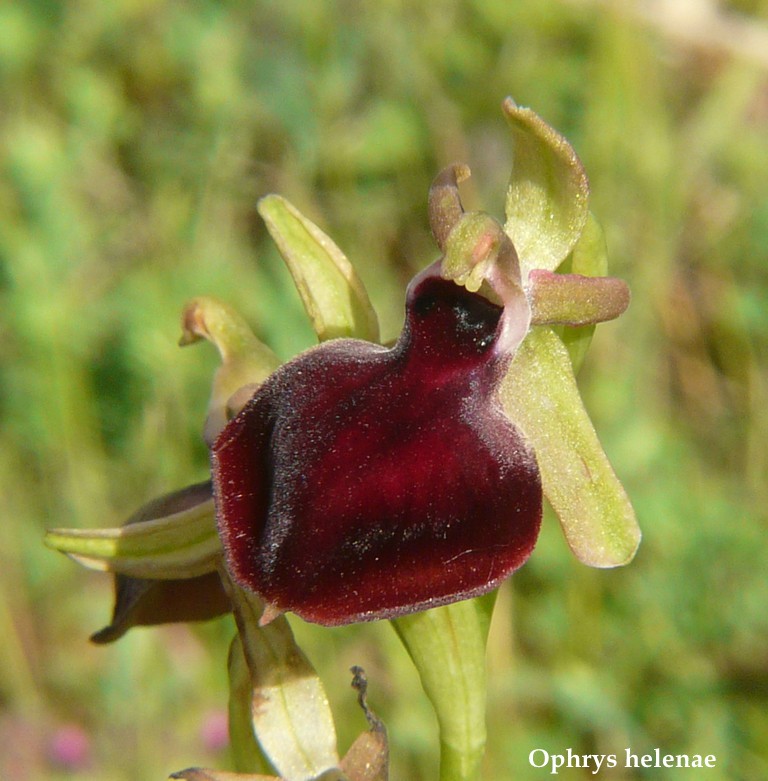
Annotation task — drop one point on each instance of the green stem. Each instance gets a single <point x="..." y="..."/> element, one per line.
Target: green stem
<point x="447" y="645"/>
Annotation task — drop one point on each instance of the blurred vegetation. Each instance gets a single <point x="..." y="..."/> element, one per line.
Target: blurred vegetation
<point x="135" y="139"/>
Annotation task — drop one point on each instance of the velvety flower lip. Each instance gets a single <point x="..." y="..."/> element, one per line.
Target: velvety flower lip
<point x="362" y="483"/>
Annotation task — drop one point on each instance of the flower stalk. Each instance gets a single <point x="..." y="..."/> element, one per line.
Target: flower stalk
<point x="447" y="646"/>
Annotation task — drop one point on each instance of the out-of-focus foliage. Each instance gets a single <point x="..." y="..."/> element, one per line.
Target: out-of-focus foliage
<point x="135" y="139"/>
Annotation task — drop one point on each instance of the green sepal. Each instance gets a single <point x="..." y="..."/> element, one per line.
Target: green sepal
<point x="539" y="394"/>
<point x="332" y="293"/>
<point x="447" y="646"/>
<point x="548" y="192"/>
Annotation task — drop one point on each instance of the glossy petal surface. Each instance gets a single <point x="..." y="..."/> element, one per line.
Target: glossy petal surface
<point x="362" y="482"/>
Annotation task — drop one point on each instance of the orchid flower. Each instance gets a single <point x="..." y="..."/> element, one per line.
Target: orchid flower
<point x="360" y="482"/>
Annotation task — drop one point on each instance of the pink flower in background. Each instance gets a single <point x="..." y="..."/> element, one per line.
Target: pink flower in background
<point x="70" y="748"/>
<point x="214" y="731"/>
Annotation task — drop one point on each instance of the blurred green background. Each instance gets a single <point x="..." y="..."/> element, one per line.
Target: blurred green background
<point x="135" y="139"/>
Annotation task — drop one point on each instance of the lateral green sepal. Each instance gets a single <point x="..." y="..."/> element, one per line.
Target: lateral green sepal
<point x="539" y="394"/>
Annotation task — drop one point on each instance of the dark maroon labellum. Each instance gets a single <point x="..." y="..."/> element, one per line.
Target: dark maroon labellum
<point x="362" y="482"/>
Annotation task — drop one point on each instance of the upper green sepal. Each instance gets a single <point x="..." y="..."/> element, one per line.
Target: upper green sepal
<point x="548" y="192"/>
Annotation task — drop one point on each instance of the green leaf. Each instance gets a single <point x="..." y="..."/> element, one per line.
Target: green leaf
<point x="182" y="544"/>
<point x="539" y="394"/>
<point x="290" y="713"/>
<point x="332" y="293"/>
<point x="546" y="204"/>
<point x="447" y="645"/>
